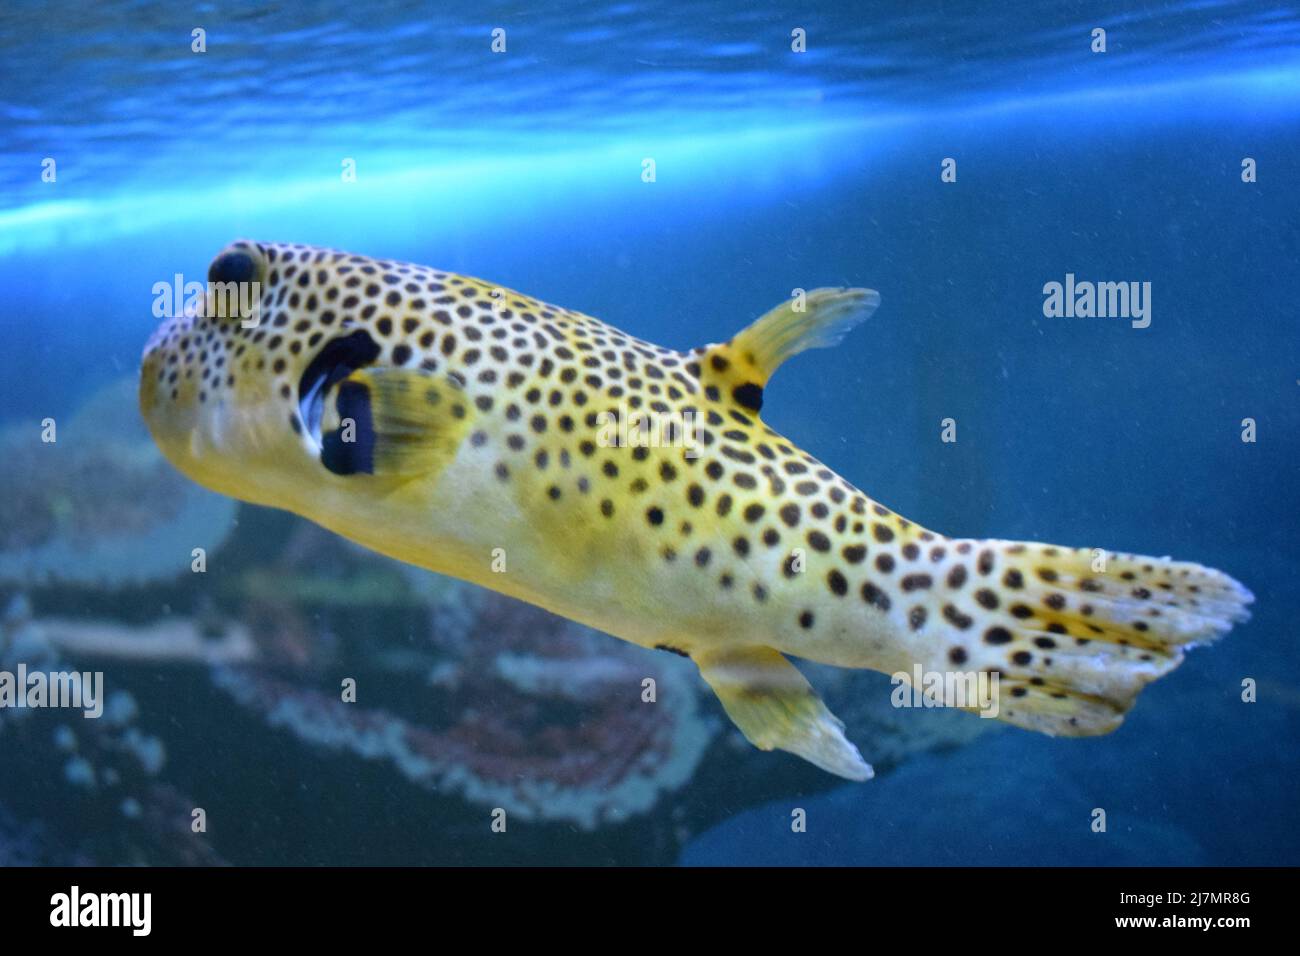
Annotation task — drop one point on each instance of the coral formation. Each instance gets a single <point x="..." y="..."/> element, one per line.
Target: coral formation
<point x="529" y="713"/>
<point x="99" y="505"/>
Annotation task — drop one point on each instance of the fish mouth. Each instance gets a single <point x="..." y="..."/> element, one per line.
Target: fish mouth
<point x="336" y="360"/>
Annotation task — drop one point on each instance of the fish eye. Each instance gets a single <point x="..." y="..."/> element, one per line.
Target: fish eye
<point x="236" y="265"/>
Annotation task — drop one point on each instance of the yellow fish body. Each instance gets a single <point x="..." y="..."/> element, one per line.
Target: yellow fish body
<point x="480" y="433"/>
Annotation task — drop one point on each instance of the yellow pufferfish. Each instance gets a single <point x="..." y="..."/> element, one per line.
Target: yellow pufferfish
<point x="436" y="418"/>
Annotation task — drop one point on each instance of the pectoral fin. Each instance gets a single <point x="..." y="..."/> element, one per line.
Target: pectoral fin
<point x="776" y="708"/>
<point x="393" y="422"/>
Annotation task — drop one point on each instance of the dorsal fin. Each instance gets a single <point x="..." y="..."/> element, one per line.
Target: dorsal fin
<point x="821" y="318"/>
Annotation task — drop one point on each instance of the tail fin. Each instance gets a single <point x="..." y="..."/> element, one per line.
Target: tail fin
<point x="1075" y="634"/>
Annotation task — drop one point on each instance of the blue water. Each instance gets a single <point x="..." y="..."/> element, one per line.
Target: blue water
<point x="774" y="170"/>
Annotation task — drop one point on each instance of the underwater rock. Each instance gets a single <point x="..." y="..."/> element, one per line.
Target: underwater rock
<point x="170" y="639"/>
<point x="94" y="784"/>
<point x="506" y="705"/>
<point x="1010" y="799"/>
<point x="889" y="735"/>
<point x="100" y="506"/>
<point x="30" y="843"/>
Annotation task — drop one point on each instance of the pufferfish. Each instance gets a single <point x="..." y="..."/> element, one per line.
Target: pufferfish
<point x="450" y="423"/>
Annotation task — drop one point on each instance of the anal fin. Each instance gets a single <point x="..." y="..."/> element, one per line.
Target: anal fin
<point x="776" y="708"/>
